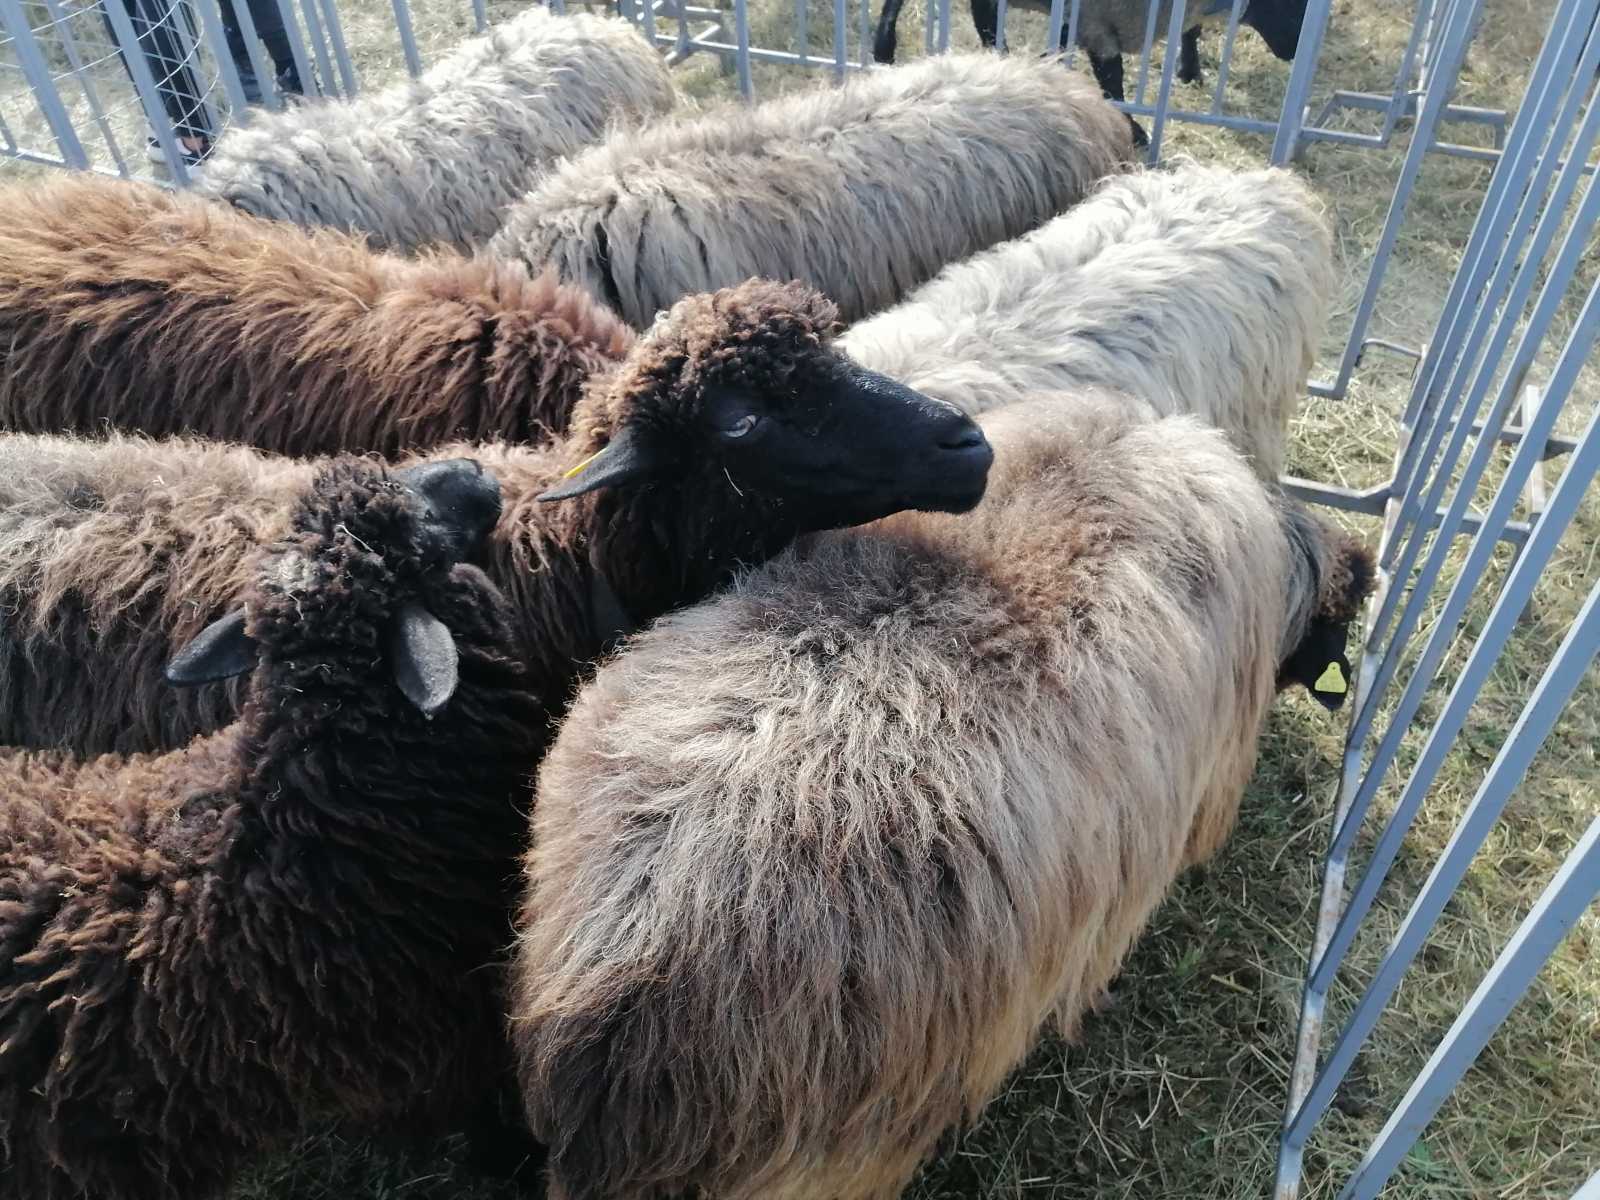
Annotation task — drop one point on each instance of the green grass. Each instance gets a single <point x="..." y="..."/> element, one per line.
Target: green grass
<point x="1177" y="1092"/>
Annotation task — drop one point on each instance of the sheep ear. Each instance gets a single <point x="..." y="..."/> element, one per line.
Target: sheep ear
<point x="424" y="657"/>
<point x="624" y="460"/>
<point x="1331" y="687"/>
<point x="219" y="651"/>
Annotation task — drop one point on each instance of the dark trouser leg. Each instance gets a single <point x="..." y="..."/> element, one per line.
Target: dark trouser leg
<point x="240" y="53"/>
<point x="986" y="19"/>
<point x="163" y="51"/>
<point x="269" y="26"/>
<point x="1189" y="56"/>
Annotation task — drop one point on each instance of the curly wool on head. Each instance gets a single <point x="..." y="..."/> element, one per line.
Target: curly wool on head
<point x="113" y="553"/>
<point x="302" y="915"/>
<point x="813" y="861"/>
<point x="436" y="160"/>
<point x="1199" y="289"/>
<point x="812" y="186"/>
<point x="131" y="307"/>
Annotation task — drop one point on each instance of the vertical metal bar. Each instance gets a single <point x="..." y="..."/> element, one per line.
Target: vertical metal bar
<point x="5" y="132"/>
<point x="31" y="60"/>
<point x="144" y="83"/>
<point x="1560" y="905"/>
<point x="1291" y="118"/>
<point x="1528" y="451"/>
<point x="1400" y="94"/>
<point x="1480" y="816"/>
<point x="319" y="43"/>
<point x="480" y="17"/>
<point x="802" y="35"/>
<point x="297" y="48"/>
<point x="266" y="77"/>
<point x="929" y="26"/>
<point x="1057" y="18"/>
<point x="1545" y="310"/>
<point x="681" y="48"/>
<point x="1000" y="26"/>
<point x="181" y="22"/>
<point x="866" y="33"/>
<point x="944" y="26"/>
<point x="211" y="25"/>
<point x="1509" y="191"/>
<point x="408" y="36"/>
<point x="1590" y="1190"/>
<point x="840" y="51"/>
<point x="1235" y="10"/>
<point x="1169" y="64"/>
<point x="341" y="53"/>
<point x="1072" y="31"/>
<point x="649" y="18"/>
<point x="1422" y="137"/>
<point x="1151" y="14"/>
<point x="80" y="72"/>
<point x="741" y="22"/>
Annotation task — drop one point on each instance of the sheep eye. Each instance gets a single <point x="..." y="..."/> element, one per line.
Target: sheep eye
<point x="742" y="426"/>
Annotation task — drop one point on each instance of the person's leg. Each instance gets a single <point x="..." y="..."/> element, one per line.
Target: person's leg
<point x="163" y="53"/>
<point x="269" y="27"/>
<point x="240" y="53"/>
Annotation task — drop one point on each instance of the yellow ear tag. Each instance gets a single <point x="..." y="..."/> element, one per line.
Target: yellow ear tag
<point x="582" y="465"/>
<point x="1331" y="681"/>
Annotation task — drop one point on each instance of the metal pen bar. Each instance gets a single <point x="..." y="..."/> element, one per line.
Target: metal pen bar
<point x="741" y="22"/>
<point x="1000" y="10"/>
<point x="1590" y="1190"/>
<point x="341" y="53"/>
<point x="408" y="37"/>
<point x="1560" y="905"/>
<point x="802" y="35"/>
<point x="1169" y="64"/>
<point x="1151" y="15"/>
<point x="480" y="16"/>
<point x="91" y="94"/>
<point x="1235" y="10"/>
<point x="297" y="48"/>
<point x="944" y="26"/>
<point x="211" y="25"/>
<point x="1523" y="460"/>
<point x="31" y="60"/>
<point x="1057" y="18"/>
<point x="258" y="61"/>
<point x="145" y="85"/>
<point x="319" y="44"/>
<point x="841" y="59"/>
<point x="1502" y="621"/>
<point x="180" y="20"/>
<point x="1291" y="117"/>
<point x="866" y="33"/>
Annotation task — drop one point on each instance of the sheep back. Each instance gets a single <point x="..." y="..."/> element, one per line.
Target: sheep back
<point x="815" y="860"/>
<point x="130" y="307"/>
<point x="438" y="158"/>
<point x="863" y="191"/>
<point x="1199" y="289"/>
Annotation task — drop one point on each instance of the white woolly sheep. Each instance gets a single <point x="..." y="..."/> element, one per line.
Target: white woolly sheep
<point x="863" y="191"/>
<point x="1200" y="290"/>
<point x="437" y="159"/>
<point x="815" y="860"/>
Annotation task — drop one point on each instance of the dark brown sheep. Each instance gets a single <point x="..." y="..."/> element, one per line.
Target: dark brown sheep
<point x="291" y="917"/>
<point x="131" y="307"/>
<point x="731" y="427"/>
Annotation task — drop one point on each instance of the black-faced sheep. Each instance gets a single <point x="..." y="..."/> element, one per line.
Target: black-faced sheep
<point x="437" y="159"/>
<point x="862" y="191"/>
<point x="815" y="860"/>
<point x="134" y="308"/>
<point x="1199" y="290"/>
<point x="1108" y="29"/>
<point x="293" y="917"/>
<point x="730" y="428"/>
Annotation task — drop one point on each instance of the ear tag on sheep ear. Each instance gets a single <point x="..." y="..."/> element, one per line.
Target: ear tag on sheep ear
<point x="219" y="651"/>
<point x="623" y="461"/>
<point x="1332" y="685"/>
<point x="424" y="657"/>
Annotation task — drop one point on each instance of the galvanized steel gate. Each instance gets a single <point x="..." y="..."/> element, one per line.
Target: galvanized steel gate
<point x="1534" y="243"/>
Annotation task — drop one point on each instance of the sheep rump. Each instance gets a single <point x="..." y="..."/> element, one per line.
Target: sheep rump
<point x="814" y="861"/>
<point x="135" y="308"/>
<point x="803" y="187"/>
<point x="1199" y="289"/>
<point x="437" y="159"/>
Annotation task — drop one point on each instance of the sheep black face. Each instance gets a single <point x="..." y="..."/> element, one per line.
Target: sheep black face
<point x="427" y="518"/>
<point x="1278" y="22"/>
<point x="743" y="385"/>
<point x="1318" y="661"/>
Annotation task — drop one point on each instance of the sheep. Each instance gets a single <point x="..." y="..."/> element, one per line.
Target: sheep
<point x="1198" y="289"/>
<point x="437" y="159"/>
<point x="1108" y="29"/>
<point x="133" y="307"/>
<point x="293" y="915"/>
<point x="863" y="191"/>
<point x="813" y="861"/>
<point x="731" y="427"/>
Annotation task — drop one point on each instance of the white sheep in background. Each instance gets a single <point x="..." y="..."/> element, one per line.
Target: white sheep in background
<point x="1201" y="290"/>
<point x="437" y="159"/>
<point x="863" y="191"/>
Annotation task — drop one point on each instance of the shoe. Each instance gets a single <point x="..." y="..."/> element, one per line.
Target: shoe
<point x="191" y="158"/>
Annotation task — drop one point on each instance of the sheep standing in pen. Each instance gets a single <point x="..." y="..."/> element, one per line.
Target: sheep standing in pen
<point x="289" y="918"/>
<point x="862" y="191"/>
<point x="1200" y="290"/>
<point x="136" y="308"/>
<point x="730" y="428"/>
<point x="814" y="861"/>
<point x="437" y="159"/>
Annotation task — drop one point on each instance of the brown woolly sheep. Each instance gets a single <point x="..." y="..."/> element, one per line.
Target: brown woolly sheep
<point x="292" y="916"/>
<point x="730" y="428"/>
<point x="814" y="861"/>
<point x="141" y="309"/>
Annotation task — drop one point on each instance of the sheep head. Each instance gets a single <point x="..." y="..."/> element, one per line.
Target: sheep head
<point x="743" y="387"/>
<point x="1341" y="573"/>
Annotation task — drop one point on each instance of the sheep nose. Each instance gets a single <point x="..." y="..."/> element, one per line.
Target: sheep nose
<point x="461" y="498"/>
<point x="963" y="439"/>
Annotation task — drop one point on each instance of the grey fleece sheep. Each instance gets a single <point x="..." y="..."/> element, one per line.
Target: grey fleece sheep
<point x="815" y="860"/>
<point x="437" y="159"/>
<point x="1200" y="290"/>
<point x="863" y="191"/>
